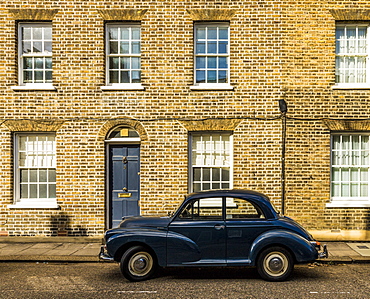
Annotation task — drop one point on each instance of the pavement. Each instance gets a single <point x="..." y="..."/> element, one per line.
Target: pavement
<point x="86" y="249"/>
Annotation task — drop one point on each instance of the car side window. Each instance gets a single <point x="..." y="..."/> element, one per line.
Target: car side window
<point x="203" y="209"/>
<point x="237" y="208"/>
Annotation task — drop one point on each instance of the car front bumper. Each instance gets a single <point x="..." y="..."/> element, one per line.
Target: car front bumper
<point x="104" y="256"/>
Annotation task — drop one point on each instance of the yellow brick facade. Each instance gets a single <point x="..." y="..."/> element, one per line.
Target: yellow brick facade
<point x="278" y="50"/>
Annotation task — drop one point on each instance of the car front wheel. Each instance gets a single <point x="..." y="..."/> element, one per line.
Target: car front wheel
<point x="138" y="264"/>
<point x="275" y="264"/>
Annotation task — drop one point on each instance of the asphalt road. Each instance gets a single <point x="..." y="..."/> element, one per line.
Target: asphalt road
<point x="102" y="280"/>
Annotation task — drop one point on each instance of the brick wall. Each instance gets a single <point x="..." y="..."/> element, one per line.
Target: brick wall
<point x="278" y="50"/>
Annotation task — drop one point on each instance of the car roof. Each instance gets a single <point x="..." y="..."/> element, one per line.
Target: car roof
<point x="258" y="198"/>
<point x="229" y="192"/>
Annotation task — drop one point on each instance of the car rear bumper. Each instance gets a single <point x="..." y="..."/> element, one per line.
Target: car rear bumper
<point x="324" y="253"/>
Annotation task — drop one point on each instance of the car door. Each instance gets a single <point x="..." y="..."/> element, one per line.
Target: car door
<point x="197" y="235"/>
<point x="245" y="221"/>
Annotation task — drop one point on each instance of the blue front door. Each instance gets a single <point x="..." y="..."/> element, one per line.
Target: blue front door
<point x="124" y="182"/>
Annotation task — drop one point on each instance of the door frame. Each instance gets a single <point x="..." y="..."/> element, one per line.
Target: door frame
<point x="108" y="201"/>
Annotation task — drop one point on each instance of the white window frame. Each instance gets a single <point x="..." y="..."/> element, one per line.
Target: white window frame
<point x="344" y="170"/>
<point x="130" y="56"/>
<point x="206" y="68"/>
<point x="36" y="155"/>
<point x="356" y="54"/>
<point x="45" y="84"/>
<point x="204" y="151"/>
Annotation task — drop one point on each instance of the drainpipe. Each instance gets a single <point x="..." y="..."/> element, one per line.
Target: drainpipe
<point x="283" y="109"/>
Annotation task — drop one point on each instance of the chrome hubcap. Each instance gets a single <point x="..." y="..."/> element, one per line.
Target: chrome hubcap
<point x="276" y="264"/>
<point x="140" y="264"/>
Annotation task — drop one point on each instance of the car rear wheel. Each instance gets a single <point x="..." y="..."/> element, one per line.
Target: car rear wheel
<point x="275" y="264"/>
<point x="138" y="264"/>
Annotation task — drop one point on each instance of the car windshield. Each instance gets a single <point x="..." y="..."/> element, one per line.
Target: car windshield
<point x="171" y="214"/>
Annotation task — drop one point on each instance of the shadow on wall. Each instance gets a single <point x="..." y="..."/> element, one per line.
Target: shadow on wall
<point x="60" y="225"/>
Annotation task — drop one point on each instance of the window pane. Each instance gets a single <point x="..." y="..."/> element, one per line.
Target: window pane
<point x="47" y="33"/>
<point x="212" y="47"/>
<point x="26" y="33"/>
<point x="27" y="47"/>
<point x="136" y="76"/>
<point x="113" y="33"/>
<point x="136" y="33"/>
<point x="212" y="62"/>
<point x="43" y="175"/>
<point x="52" y="191"/>
<point x="223" y="33"/>
<point x="135" y="63"/>
<point x="24" y="191"/>
<point x="212" y="33"/>
<point x="113" y="47"/>
<point x="43" y="191"/>
<point x="48" y="63"/>
<point x="135" y="48"/>
<point x="24" y="176"/>
<point x="33" y="191"/>
<point x="125" y="33"/>
<point x="113" y="76"/>
<point x="125" y="77"/>
<point x="212" y="76"/>
<point x="206" y="174"/>
<point x="124" y="48"/>
<point x="200" y="62"/>
<point x="201" y="48"/>
<point x="222" y="47"/>
<point x="222" y="77"/>
<point x="201" y="33"/>
<point x="37" y="47"/>
<point x="37" y="33"/>
<point x="200" y="76"/>
<point x="113" y="62"/>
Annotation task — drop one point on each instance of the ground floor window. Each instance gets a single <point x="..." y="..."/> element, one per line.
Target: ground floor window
<point x="350" y="165"/>
<point x="211" y="161"/>
<point x="35" y="173"/>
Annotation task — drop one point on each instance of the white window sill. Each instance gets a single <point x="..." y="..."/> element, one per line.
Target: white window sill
<point x="206" y="86"/>
<point x="34" y="87"/>
<point x="348" y="204"/>
<point x="351" y="86"/>
<point x="133" y="86"/>
<point x="34" y="205"/>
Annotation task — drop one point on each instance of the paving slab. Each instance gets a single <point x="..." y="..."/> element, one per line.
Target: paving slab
<point x="337" y="249"/>
<point x="362" y="249"/>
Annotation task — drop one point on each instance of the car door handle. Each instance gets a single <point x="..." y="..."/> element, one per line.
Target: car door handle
<point x="219" y="226"/>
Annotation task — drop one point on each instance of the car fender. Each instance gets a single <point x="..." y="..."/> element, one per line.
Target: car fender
<point x="303" y="251"/>
<point x="181" y="249"/>
<point x="154" y="239"/>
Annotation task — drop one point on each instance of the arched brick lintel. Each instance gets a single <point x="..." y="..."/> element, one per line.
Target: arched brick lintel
<point x="134" y="124"/>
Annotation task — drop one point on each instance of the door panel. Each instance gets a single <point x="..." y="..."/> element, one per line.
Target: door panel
<point x="124" y="182"/>
<point x="202" y="222"/>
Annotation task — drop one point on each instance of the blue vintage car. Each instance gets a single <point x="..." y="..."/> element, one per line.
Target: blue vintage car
<point x="212" y="228"/>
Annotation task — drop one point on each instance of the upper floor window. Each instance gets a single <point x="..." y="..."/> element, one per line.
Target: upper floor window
<point x="211" y="161"/>
<point x="35" y="54"/>
<point x="211" y="55"/>
<point x="123" y="56"/>
<point x="350" y="165"/>
<point x="352" y="52"/>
